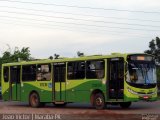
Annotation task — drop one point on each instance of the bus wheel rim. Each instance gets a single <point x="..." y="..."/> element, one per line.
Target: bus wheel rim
<point x="34" y="100"/>
<point x="99" y="101"/>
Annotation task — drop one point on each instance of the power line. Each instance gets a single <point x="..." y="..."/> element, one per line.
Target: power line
<point x="50" y="11"/>
<point x="59" y="26"/>
<point x="69" y="23"/>
<point x="89" y="20"/>
<point x="50" y="26"/>
<point x="84" y="7"/>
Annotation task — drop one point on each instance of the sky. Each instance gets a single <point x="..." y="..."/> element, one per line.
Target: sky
<point x="67" y="26"/>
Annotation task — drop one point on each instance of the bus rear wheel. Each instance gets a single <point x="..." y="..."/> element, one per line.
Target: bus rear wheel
<point x="125" y="104"/>
<point x="34" y="100"/>
<point x="99" y="101"/>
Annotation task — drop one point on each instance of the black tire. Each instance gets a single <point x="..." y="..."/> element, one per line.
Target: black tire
<point x="125" y="105"/>
<point x="34" y="100"/>
<point x="99" y="101"/>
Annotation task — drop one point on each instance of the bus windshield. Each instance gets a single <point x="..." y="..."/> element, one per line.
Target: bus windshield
<point x="142" y="73"/>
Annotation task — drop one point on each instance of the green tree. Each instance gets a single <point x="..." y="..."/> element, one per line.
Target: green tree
<point x="154" y="49"/>
<point x="23" y="54"/>
<point x="7" y="56"/>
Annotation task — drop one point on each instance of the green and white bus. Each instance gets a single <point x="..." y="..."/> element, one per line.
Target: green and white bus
<point x="117" y="79"/>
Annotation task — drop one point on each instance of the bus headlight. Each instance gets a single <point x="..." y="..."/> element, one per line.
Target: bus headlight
<point x="140" y="93"/>
<point x="131" y="91"/>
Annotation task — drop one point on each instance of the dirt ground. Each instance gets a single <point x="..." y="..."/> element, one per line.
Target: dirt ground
<point x="75" y="111"/>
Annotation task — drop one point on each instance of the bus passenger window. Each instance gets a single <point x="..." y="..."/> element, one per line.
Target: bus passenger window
<point x="6" y="74"/>
<point x="43" y="72"/>
<point x="76" y="70"/>
<point x="29" y="72"/>
<point x="95" y="69"/>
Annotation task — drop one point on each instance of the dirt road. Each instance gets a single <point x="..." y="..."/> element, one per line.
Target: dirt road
<point x="138" y="111"/>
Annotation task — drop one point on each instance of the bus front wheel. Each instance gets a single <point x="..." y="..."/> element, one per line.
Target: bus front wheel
<point x="99" y="101"/>
<point x="34" y="100"/>
<point x="125" y="104"/>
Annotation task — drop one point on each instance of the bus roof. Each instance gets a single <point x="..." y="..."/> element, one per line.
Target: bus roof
<point x="91" y="57"/>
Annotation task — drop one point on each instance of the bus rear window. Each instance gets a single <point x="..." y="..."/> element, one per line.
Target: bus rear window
<point x="6" y="74"/>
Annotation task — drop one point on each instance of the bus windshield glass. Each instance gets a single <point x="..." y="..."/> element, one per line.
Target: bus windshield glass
<point x="141" y="69"/>
<point x="142" y="73"/>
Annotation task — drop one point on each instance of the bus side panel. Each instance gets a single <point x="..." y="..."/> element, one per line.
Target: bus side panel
<point x="83" y="96"/>
<point x="26" y="89"/>
<point x="80" y="90"/>
<point x="5" y="91"/>
<point x="84" y="91"/>
<point x="70" y="93"/>
<point x="43" y="89"/>
<point x="45" y="96"/>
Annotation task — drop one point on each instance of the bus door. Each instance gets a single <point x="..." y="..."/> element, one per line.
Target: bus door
<point x="15" y="86"/>
<point x="116" y="78"/>
<point x="59" y="78"/>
